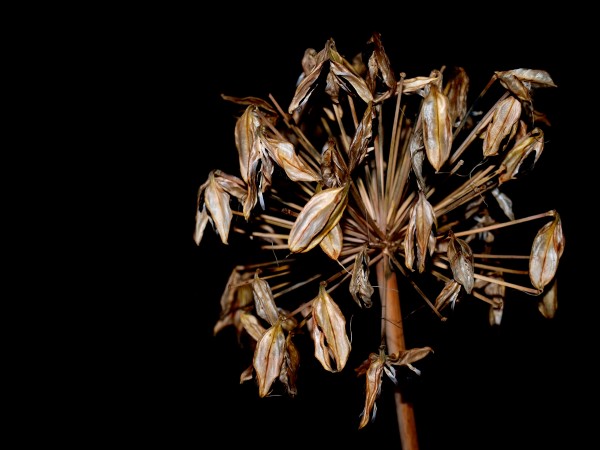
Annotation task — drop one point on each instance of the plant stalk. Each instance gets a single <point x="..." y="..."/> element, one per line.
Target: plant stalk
<point x="394" y="337"/>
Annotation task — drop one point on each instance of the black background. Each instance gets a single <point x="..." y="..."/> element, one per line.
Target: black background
<point x="514" y="386"/>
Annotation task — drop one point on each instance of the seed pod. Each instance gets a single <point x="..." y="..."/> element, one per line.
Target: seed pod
<point x="318" y="217"/>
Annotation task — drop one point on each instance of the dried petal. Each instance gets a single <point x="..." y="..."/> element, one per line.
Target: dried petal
<point x="349" y="77"/>
<point x="333" y="242"/>
<point x="379" y="63"/>
<point x="305" y="89"/>
<point x="333" y="167"/>
<point x="407" y="357"/>
<point x="251" y="101"/>
<point x="495" y="314"/>
<point x="217" y="202"/>
<point x="548" y="304"/>
<point x="505" y="118"/>
<point x="329" y="332"/>
<point x="246" y="143"/>
<point x="460" y="257"/>
<point x="283" y="153"/>
<point x="264" y="301"/>
<point x="268" y="358"/>
<point x="252" y="326"/>
<point x="456" y="90"/>
<point x="289" y="369"/>
<point x="547" y="248"/>
<point x="437" y="127"/>
<point x="361" y="139"/>
<point x="505" y="203"/>
<point x="202" y="219"/>
<point x="520" y="81"/>
<point x="421" y="229"/>
<point x="374" y="371"/>
<point x="448" y="295"/>
<point x="511" y="165"/>
<point x="417" y="84"/>
<point x="318" y="217"/>
<point x="417" y="156"/>
<point x="360" y="287"/>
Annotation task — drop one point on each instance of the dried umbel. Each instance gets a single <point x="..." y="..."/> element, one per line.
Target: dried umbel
<point x="368" y="171"/>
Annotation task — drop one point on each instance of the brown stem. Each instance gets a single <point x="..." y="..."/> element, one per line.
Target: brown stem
<point x="394" y="336"/>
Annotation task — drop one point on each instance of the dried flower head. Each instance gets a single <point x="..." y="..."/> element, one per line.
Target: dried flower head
<point x="366" y="177"/>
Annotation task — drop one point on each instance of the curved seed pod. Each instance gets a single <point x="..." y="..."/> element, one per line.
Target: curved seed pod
<point x="318" y="217"/>
<point x="547" y="248"/>
<point x="332" y="346"/>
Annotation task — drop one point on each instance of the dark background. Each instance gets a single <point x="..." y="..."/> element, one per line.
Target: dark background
<point x="514" y="386"/>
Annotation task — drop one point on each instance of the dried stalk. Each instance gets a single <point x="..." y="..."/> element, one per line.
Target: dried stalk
<point x="394" y="339"/>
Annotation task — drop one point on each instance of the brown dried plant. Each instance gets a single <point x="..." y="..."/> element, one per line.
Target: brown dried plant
<point x="369" y="171"/>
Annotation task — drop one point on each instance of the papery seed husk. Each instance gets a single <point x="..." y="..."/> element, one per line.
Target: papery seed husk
<point x="217" y="203"/>
<point x="548" y="246"/>
<point x="506" y="116"/>
<point x="333" y="242"/>
<point x="285" y="156"/>
<point x="346" y="73"/>
<point x="362" y="138"/>
<point x="548" y="304"/>
<point x="504" y="202"/>
<point x="515" y="157"/>
<point x="252" y="326"/>
<point x="318" y="217"/>
<point x="332" y="346"/>
<point x="460" y="257"/>
<point x="437" y="127"/>
<point x="289" y="371"/>
<point x="202" y="219"/>
<point x="456" y="90"/>
<point x="246" y="142"/>
<point x="425" y="223"/>
<point x="448" y="295"/>
<point x="268" y="358"/>
<point x="406" y="357"/>
<point x="373" y="382"/>
<point x="360" y="286"/>
<point x="495" y="314"/>
<point x="264" y="301"/>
